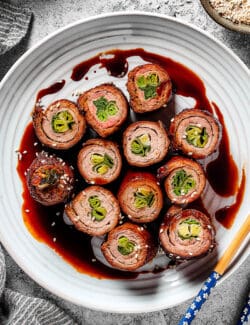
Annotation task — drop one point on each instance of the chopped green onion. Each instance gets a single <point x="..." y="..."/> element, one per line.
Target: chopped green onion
<point x="141" y="145"/>
<point x="196" y="136"/>
<point x="189" y="229"/>
<point x="62" y="121"/>
<point x="101" y="163"/>
<point x="148" y="85"/>
<point x="143" y="198"/>
<point x="105" y="108"/>
<point x="182" y="183"/>
<point x="98" y="212"/>
<point x="125" y="246"/>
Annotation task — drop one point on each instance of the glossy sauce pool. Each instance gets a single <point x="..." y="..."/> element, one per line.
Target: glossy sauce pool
<point x="46" y="223"/>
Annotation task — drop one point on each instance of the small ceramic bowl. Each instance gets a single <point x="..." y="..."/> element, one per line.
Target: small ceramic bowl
<point x="243" y="28"/>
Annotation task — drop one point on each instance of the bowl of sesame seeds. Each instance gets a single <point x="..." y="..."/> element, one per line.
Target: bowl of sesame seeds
<point x="232" y="14"/>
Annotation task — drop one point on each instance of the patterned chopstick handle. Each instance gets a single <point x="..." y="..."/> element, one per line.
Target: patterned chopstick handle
<point x="245" y="314"/>
<point x="200" y="299"/>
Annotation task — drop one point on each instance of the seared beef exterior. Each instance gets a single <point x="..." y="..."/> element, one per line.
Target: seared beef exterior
<point x="94" y="211"/>
<point x="105" y="108"/>
<point x="60" y="125"/>
<point x="129" y="247"/>
<point x="196" y="133"/>
<point x="50" y="180"/>
<point x="186" y="234"/>
<point x="149" y="87"/>
<point x="185" y="179"/>
<point x="145" y="143"/>
<point x="99" y="161"/>
<point x="140" y="197"/>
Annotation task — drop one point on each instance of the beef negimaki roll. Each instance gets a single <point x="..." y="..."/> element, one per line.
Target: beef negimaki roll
<point x="149" y="87"/>
<point x="187" y="234"/>
<point x="94" y="211"/>
<point x="50" y="180"/>
<point x="99" y="161"/>
<point x="185" y="179"/>
<point x="140" y="197"/>
<point x="129" y="247"/>
<point x="60" y="125"/>
<point x="145" y="143"/>
<point x="105" y="108"/>
<point x="195" y="133"/>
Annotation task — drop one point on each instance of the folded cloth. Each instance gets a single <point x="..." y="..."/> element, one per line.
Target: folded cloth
<point x="17" y="309"/>
<point x="14" y="24"/>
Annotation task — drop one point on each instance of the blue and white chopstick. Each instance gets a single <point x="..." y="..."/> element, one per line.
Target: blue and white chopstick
<point x="245" y="314"/>
<point x="216" y="274"/>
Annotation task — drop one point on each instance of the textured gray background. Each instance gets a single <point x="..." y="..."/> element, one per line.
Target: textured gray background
<point x="224" y="304"/>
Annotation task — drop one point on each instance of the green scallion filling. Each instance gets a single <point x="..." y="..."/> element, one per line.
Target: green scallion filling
<point x="196" y="136"/>
<point x="148" y="85"/>
<point x="125" y="246"/>
<point x="141" y="145"/>
<point x="189" y="228"/>
<point x="182" y="183"/>
<point x="101" y="163"/>
<point x="143" y="198"/>
<point x="62" y="122"/>
<point x="105" y="108"/>
<point x="98" y="212"/>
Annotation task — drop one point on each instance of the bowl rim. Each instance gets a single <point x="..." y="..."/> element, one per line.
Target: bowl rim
<point x="40" y="43"/>
<point x="213" y="13"/>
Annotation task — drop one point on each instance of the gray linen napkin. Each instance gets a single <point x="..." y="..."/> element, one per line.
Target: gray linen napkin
<point x="18" y="309"/>
<point x="14" y="23"/>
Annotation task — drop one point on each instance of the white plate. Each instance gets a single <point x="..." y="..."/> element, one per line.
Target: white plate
<point x="227" y="83"/>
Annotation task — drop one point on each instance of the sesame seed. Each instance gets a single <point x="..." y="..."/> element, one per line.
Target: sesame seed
<point x="93" y="260"/>
<point x="54" y="144"/>
<point x="25" y="152"/>
<point x="37" y="154"/>
<point x="54" y="239"/>
<point x="25" y="173"/>
<point x="161" y="230"/>
<point x="58" y="213"/>
<point x="172" y="119"/>
<point x="190" y="153"/>
<point x="71" y="167"/>
<point x="92" y="182"/>
<point x="27" y="210"/>
<point x="178" y="257"/>
<point x="35" y="144"/>
<point x="53" y="224"/>
<point x="189" y="253"/>
<point x="184" y="136"/>
<point x="209" y="227"/>
<point x="19" y="155"/>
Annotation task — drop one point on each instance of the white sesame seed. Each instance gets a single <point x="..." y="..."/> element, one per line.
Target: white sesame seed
<point x="92" y="182"/>
<point x="58" y="213"/>
<point x="25" y="173"/>
<point x="209" y="227"/>
<point x="172" y="119"/>
<point x="35" y="144"/>
<point x="190" y="153"/>
<point x="93" y="260"/>
<point x="54" y="239"/>
<point x="19" y="155"/>
<point x="54" y="144"/>
<point x="189" y="253"/>
<point x="27" y="210"/>
<point x="178" y="257"/>
<point x="184" y="136"/>
<point x="53" y="224"/>
<point x="25" y="152"/>
<point x="161" y="230"/>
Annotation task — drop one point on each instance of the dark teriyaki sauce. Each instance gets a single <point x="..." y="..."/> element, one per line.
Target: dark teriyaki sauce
<point x="46" y="224"/>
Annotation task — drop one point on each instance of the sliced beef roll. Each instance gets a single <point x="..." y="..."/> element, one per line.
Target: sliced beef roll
<point x="60" y="125"/>
<point x="195" y="133"/>
<point x="105" y="108"/>
<point x="94" y="211"/>
<point x="185" y="179"/>
<point x="186" y="234"/>
<point x="149" y="87"/>
<point x="129" y="247"/>
<point x="50" y="180"/>
<point x="145" y="143"/>
<point x="140" y="197"/>
<point x="99" y="161"/>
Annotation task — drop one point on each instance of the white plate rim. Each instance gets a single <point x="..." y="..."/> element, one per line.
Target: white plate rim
<point x="8" y="247"/>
